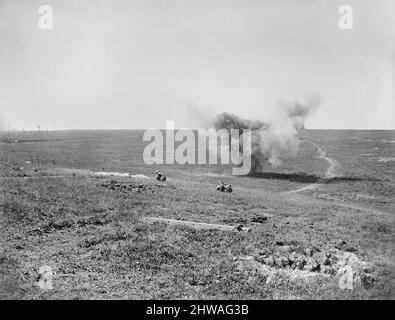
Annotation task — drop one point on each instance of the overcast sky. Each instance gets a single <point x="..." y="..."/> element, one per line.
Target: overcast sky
<point x="134" y="64"/>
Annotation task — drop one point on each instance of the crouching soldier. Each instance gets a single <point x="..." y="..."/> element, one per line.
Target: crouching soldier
<point x="160" y="176"/>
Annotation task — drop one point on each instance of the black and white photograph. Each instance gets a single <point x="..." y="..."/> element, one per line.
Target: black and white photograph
<point x="212" y="151"/>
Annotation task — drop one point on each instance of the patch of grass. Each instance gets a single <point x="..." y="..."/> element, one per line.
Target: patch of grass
<point x="93" y="238"/>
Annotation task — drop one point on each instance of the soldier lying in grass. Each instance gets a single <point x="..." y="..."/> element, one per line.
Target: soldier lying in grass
<point x="223" y="187"/>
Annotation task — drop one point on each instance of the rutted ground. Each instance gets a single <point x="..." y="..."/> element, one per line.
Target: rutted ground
<point x="330" y="172"/>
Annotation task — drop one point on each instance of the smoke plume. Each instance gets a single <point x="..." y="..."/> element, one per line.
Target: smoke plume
<point x="277" y="139"/>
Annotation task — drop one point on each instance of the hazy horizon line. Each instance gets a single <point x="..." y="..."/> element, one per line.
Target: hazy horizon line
<point x="183" y="128"/>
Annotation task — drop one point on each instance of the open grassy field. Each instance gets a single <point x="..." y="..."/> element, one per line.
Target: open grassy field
<point x="328" y="210"/>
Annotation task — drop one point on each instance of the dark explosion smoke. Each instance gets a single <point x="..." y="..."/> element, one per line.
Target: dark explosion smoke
<point x="278" y="139"/>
